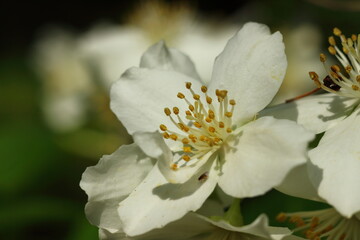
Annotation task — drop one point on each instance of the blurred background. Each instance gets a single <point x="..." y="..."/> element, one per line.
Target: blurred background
<point x="58" y="61"/>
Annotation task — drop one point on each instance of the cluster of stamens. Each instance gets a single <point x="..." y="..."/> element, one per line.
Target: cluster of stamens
<point x="205" y="128"/>
<point x="343" y="81"/>
<point x="323" y="224"/>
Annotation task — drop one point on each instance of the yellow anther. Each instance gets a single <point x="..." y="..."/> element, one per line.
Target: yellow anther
<point x="281" y="217"/>
<point x="211" y="114"/>
<point x="180" y="95"/>
<point x="173" y="137"/>
<point x="335" y="68"/>
<point x="191" y="107"/>
<point x="358" y="78"/>
<point x="228" y="130"/>
<point x="331" y="50"/>
<point x="211" y="129"/>
<point x="354" y="37"/>
<point x="185" y="141"/>
<point x="221" y="125"/>
<point x="166" y="135"/>
<point x="188" y="113"/>
<point x="204" y="89"/>
<point x="313" y="76"/>
<point x="186" y="158"/>
<point x="221" y="93"/>
<point x="203" y="138"/>
<point x="314" y="222"/>
<point x="322" y="57"/>
<point x="188" y="85"/>
<point x="348" y="68"/>
<point x="345" y="50"/>
<point x="355" y="87"/>
<point x="192" y="137"/>
<point x="187" y="149"/>
<point x="163" y="127"/>
<point x="176" y="110"/>
<point x="332" y="41"/>
<point x="232" y="102"/>
<point x="207" y="119"/>
<point x="208" y="99"/>
<point x="350" y="42"/>
<point x="337" y="31"/>
<point x="196" y="96"/>
<point x="174" y="166"/>
<point x="183" y="127"/>
<point x="167" y="111"/>
<point x="228" y="114"/>
<point x="198" y="125"/>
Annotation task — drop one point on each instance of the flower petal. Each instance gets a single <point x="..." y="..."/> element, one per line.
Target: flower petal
<point x="159" y="56"/>
<point x="138" y="99"/>
<point x="251" y="67"/>
<point x="152" y="144"/>
<point x="185" y="228"/>
<point x="337" y="163"/>
<point x="261" y="156"/>
<point x="316" y="113"/>
<point x="184" y="173"/>
<point x="297" y="183"/>
<point x="157" y="202"/>
<point x="110" y="181"/>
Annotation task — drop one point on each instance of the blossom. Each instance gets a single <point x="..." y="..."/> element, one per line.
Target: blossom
<point x="197" y="227"/>
<point x="212" y="135"/>
<point x="335" y="161"/>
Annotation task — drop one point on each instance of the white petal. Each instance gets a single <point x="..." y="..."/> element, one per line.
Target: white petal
<point x="138" y="99"/>
<point x="251" y="67"/>
<point x="106" y="235"/>
<point x="157" y="202"/>
<point x="183" y="174"/>
<point x="316" y="113"/>
<point x="185" y="228"/>
<point x="159" y="56"/>
<point x="259" y="229"/>
<point x="152" y="144"/>
<point x="260" y="157"/>
<point x="337" y="162"/>
<point x="110" y="181"/>
<point x="297" y="183"/>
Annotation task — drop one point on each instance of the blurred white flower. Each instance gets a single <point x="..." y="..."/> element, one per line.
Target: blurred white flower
<point x="302" y="47"/>
<point x="215" y="141"/>
<point x="66" y="81"/>
<point x="335" y="161"/>
<point x="114" y="48"/>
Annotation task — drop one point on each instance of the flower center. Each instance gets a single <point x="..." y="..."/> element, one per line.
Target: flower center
<point x="326" y="223"/>
<point x="343" y="81"/>
<point x="206" y="126"/>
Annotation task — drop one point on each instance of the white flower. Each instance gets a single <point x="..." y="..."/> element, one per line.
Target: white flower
<point x="218" y="139"/>
<point x="302" y="47"/>
<point x="197" y="227"/>
<point x="114" y="48"/>
<point x="335" y="161"/>
<point x="66" y="81"/>
<point x="317" y="224"/>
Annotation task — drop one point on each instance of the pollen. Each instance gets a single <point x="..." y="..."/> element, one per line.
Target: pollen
<point x="342" y="79"/>
<point x="201" y="128"/>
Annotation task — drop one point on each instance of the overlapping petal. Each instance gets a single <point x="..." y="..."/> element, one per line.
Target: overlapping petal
<point x="159" y="56"/>
<point x="260" y="157"/>
<point x="336" y="163"/>
<point x="110" y="181"/>
<point x="316" y="113"/>
<point x="252" y="67"/>
<point x="297" y="183"/>
<point x="158" y="202"/>
<point x="138" y="99"/>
